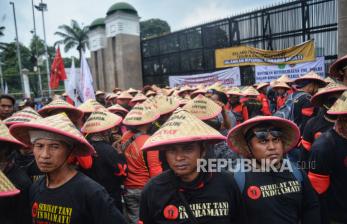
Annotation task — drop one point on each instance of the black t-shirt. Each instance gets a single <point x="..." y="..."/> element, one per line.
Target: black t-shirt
<point x="15" y="209"/>
<point x="329" y="153"/>
<point x="28" y="164"/>
<point x="213" y="198"/>
<point x="108" y="169"/>
<point x="278" y="197"/>
<point x="80" y="200"/>
<point x="314" y="127"/>
<point x="303" y="110"/>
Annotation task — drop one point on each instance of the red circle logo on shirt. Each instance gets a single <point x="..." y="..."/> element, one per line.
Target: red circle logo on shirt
<point x="253" y="192"/>
<point x="317" y="134"/>
<point x="171" y="212"/>
<point x="34" y="210"/>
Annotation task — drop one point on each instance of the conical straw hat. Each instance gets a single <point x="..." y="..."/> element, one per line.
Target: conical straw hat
<point x="183" y="101"/>
<point x="99" y="92"/>
<point x="236" y="136"/>
<point x="114" y="95"/>
<point x="100" y="121"/>
<point x="284" y="78"/>
<point x="183" y="89"/>
<point x="141" y="113"/>
<point x="124" y="96"/>
<point x="179" y="128"/>
<point x="131" y="90"/>
<point x="261" y="85"/>
<point x="117" y="108"/>
<point x="333" y="87"/>
<point x="139" y="98"/>
<point x="340" y="106"/>
<point x="150" y="93"/>
<point x="115" y="90"/>
<point x="250" y="91"/>
<point x="25" y="115"/>
<point x="234" y="91"/>
<point x="218" y="86"/>
<point x="167" y="92"/>
<point x="59" y="124"/>
<point x="5" y="136"/>
<point x="203" y="108"/>
<point x="7" y="188"/>
<point x="337" y="66"/>
<point x="278" y="84"/>
<point x="90" y="106"/>
<point x="311" y="76"/>
<point x="198" y="91"/>
<point x="61" y="105"/>
<point x="166" y="104"/>
<point x="329" y="80"/>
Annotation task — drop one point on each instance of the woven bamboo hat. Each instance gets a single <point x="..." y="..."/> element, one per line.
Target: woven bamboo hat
<point x="182" y="127"/>
<point x="115" y="90"/>
<point x="117" y="108"/>
<point x="140" y="114"/>
<point x="323" y="93"/>
<point x="202" y="91"/>
<point x="131" y="90"/>
<point x="184" y="89"/>
<point x="234" y="91"/>
<point x="329" y="80"/>
<point x="337" y="66"/>
<point x="183" y="101"/>
<point x="26" y="115"/>
<point x="99" y="92"/>
<point x="90" y="106"/>
<point x="5" y="136"/>
<point x="59" y="124"/>
<point x="100" y="121"/>
<point x="124" y="96"/>
<point x="278" y="84"/>
<point x="167" y="92"/>
<point x="311" y="76"/>
<point x="236" y="136"/>
<point x="340" y="106"/>
<point x="150" y="93"/>
<point x="218" y="86"/>
<point x="7" y="188"/>
<point x="139" y="98"/>
<point x="60" y="105"/>
<point x="284" y="78"/>
<point x="262" y="85"/>
<point x="250" y="91"/>
<point x="166" y="104"/>
<point x="203" y="108"/>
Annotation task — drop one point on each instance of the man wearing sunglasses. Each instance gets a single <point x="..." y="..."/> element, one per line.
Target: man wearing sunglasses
<point x="277" y="194"/>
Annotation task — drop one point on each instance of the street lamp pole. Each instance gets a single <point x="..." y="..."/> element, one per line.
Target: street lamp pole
<point x="18" y="49"/>
<point x="43" y="7"/>
<point x="36" y="51"/>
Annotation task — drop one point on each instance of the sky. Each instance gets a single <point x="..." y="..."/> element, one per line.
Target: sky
<point x="179" y="14"/>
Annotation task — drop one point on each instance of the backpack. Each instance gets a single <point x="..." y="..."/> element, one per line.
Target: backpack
<point x="287" y="110"/>
<point x="240" y="176"/>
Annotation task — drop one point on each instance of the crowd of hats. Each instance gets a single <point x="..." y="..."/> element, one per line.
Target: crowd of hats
<point x="187" y="108"/>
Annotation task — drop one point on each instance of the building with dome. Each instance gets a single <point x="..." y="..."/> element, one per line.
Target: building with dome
<point x="114" y="42"/>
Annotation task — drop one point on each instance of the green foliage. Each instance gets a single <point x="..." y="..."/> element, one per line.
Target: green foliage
<point x="153" y="27"/>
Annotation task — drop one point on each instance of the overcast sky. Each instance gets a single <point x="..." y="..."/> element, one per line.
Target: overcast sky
<point x="178" y="13"/>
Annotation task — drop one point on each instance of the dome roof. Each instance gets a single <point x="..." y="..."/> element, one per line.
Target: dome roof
<point x="97" y="22"/>
<point x="123" y="7"/>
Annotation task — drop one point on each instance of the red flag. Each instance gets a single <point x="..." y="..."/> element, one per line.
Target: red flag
<point x="57" y="70"/>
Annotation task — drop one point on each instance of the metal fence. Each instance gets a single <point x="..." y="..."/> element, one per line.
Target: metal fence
<point x="191" y="51"/>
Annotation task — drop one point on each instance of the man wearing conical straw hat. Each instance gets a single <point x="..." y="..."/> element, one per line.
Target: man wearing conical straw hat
<point x="234" y="105"/>
<point x="109" y="166"/>
<point x="338" y="69"/>
<point x="15" y="207"/>
<point x="329" y="176"/>
<point x="79" y="199"/>
<point x="100" y="97"/>
<point x="322" y="122"/>
<point x="251" y="105"/>
<point x="186" y="194"/>
<point x="281" y="89"/>
<point x="275" y="190"/>
<point x="141" y="166"/>
<point x="262" y="89"/>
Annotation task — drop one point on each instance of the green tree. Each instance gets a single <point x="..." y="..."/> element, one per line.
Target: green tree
<point x="73" y="36"/>
<point x="153" y="28"/>
<point x="2" y="45"/>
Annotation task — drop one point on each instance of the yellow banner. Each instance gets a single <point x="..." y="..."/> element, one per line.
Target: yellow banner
<point x="245" y="55"/>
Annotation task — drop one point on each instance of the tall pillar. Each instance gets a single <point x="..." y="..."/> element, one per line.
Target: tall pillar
<point x="342" y="27"/>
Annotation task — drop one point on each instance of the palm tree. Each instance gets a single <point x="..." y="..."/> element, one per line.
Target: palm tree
<point x="73" y="36"/>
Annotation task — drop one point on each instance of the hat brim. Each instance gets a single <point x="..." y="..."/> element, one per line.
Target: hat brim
<point x="337" y="66"/>
<point x="318" y="98"/>
<point x="21" y="132"/>
<point x="9" y="193"/>
<point x="73" y="113"/>
<point x="158" y="145"/>
<point x="321" y="82"/>
<point x="101" y="129"/>
<point x="142" y="122"/>
<point x="118" y="110"/>
<point x="13" y="141"/>
<point x="236" y="136"/>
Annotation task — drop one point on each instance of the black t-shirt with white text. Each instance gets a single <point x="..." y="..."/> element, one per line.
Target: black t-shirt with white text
<point x="80" y="200"/>
<point x="213" y="198"/>
<point x="278" y="197"/>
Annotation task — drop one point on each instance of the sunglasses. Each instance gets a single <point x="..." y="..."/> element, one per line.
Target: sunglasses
<point x="263" y="134"/>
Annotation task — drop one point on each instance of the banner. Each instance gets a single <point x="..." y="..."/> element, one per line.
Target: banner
<point x="269" y="73"/>
<point x="245" y="55"/>
<point x="229" y="77"/>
